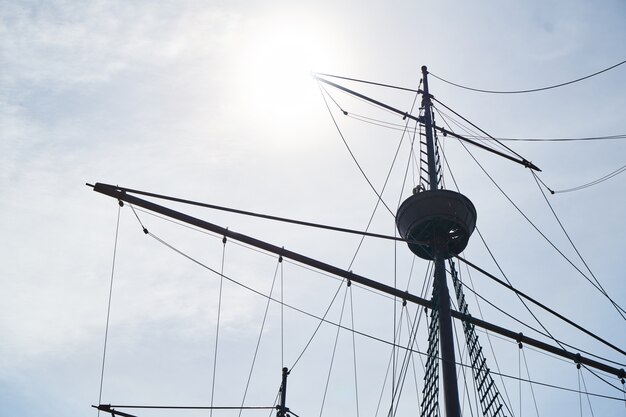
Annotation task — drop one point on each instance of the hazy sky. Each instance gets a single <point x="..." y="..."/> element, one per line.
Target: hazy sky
<point x="213" y="101"/>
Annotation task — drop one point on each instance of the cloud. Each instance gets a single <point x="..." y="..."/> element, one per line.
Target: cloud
<point x="62" y="43"/>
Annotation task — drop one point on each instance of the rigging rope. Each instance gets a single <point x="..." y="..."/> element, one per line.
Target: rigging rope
<point x="582" y="377"/>
<point x="370" y="82"/>
<point x="548" y="385"/>
<point x="531" y="90"/>
<point x="493" y="352"/>
<point x="469" y="130"/>
<point x="412" y="339"/>
<point x="282" y="316"/>
<point x="319" y="325"/>
<point x="356" y="379"/>
<point x="254" y="249"/>
<point x="396" y="335"/>
<point x="258" y="343"/>
<point x="408" y="357"/>
<point x="488" y="392"/>
<point x="532" y="391"/>
<point x="399" y="382"/>
<point x="543" y="306"/>
<point x="395" y="383"/>
<point x="324" y="320"/>
<point x="217" y="329"/>
<point x="382" y="390"/>
<point x="571" y="139"/>
<point x="529" y="326"/>
<point x="322" y="91"/>
<point x="519" y="373"/>
<point x="480" y="130"/>
<point x="466" y="390"/>
<point x="187" y="407"/>
<point x="594" y="182"/>
<point x="604" y="380"/>
<point x="396" y="126"/>
<point x="332" y="358"/>
<point x="393" y="345"/>
<point x="106" y="328"/>
<point x="580" y="395"/>
<point x="379" y="200"/>
<point x="320" y="319"/>
<point x="548" y="354"/>
<point x="530" y="222"/>
<point x="259" y="215"/>
<point x="619" y="309"/>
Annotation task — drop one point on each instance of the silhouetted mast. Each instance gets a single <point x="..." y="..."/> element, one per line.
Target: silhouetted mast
<point x="444" y="220"/>
<point x="450" y="387"/>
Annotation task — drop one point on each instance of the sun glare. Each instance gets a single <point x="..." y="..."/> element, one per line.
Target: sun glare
<point x="275" y="68"/>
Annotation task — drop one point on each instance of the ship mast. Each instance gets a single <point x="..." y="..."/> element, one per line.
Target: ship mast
<point x="442" y="221"/>
<point x="448" y="362"/>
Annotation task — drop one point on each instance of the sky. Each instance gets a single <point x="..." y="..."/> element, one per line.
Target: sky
<point x="214" y="101"/>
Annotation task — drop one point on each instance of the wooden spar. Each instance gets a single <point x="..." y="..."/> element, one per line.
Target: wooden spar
<point x="521" y="161"/>
<point x="121" y="195"/>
